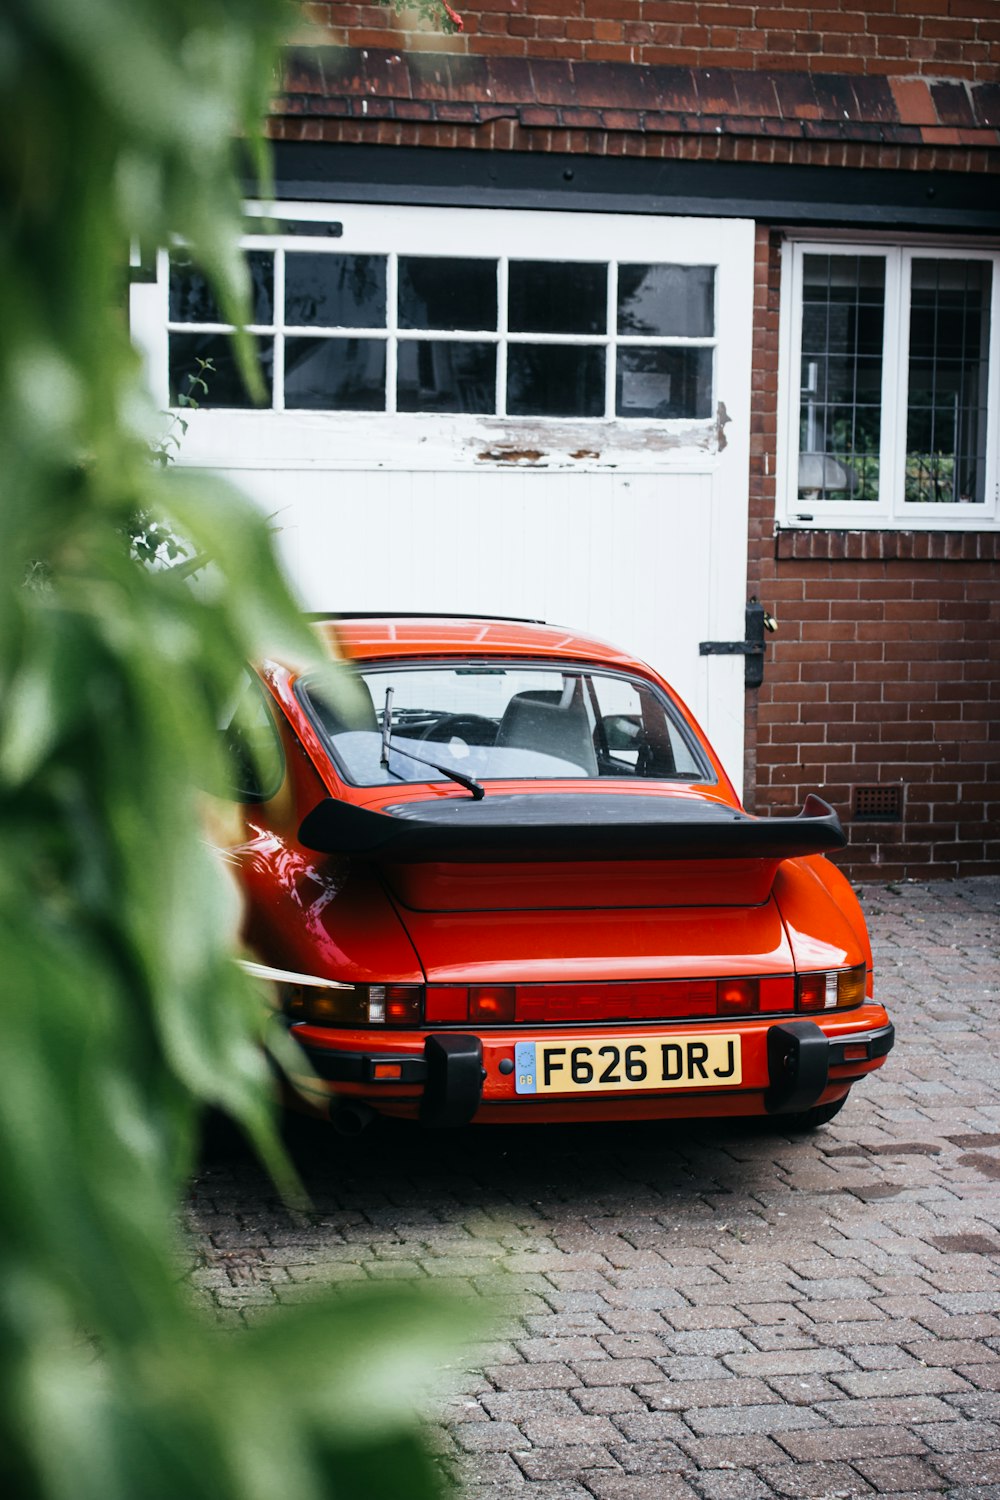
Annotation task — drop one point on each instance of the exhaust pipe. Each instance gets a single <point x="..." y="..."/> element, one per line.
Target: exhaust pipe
<point x="351" y="1119"/>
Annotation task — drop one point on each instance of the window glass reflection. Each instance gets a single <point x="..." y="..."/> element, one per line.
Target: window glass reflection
<point x="447" y="293"/>
<point x="948" y="376"/>
<point x="223" y="383"/>
<point x="557" y="297"/>
<point x="555" y="380"/>
<point x="334" y="291"/>
<point x="667" y="301"/>
<point x="335" y="374"/>
<point x="663" y="383"/>
<point x="191" y="299"/>
<point x="840" y="408"/>
<point x="444" y="375"/>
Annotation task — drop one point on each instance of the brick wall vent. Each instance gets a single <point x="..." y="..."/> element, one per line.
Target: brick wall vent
<point x="878" y="804"/>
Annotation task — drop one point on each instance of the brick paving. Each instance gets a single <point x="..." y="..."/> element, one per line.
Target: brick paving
<point x="674" y="1311"/>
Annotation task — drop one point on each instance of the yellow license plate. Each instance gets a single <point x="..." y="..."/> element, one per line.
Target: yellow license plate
<point x="610" y="1064"/>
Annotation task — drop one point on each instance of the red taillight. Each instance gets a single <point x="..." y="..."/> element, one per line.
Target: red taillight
<point x="402" y="1004"/>
<point x="737" y="997"/>
<point x="811" y="992"/>
<point x="492" y="1004"/>
<point x="387" y="1071"/>
<point x="446" y="1004"/>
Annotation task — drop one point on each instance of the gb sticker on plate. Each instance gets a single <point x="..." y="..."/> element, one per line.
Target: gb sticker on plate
<point x="524" y="1068"/>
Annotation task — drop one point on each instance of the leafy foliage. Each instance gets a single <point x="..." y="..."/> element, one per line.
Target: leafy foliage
<point x="437" y="13"/>
<point x="122" y="1015"/>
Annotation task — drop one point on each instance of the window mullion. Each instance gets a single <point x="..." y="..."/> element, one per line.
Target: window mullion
<point x="503" y="279"/>
<point x="895" y="384"/>
<point x="992" y="506"/>
<point x="392" y="328"/>
<point x="611" y="359"/>
<point x="278" y="317"/>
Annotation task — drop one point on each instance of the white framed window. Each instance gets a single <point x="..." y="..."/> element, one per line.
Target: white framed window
<point x="889" y="385"/>
<point x="503" y="335"/>
<point x="453" y="335"/>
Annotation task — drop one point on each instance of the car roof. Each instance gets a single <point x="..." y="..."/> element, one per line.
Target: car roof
<point x="366" y="637"/>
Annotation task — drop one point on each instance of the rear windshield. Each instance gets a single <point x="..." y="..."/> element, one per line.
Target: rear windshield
<point x="506" y="722"/>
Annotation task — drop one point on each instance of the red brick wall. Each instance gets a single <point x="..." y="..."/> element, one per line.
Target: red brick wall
<point x="885" y="669"/>
<point x="941" y="38"/>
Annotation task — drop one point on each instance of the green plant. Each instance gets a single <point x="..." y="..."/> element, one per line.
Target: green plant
<point x="122" y="1015"/>
<point x="437" y="13"/>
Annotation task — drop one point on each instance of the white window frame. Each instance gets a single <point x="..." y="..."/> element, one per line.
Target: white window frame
<point x="891" y="511"/>
<point x="424" y="439"/>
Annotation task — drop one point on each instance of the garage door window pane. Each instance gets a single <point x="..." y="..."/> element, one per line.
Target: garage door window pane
<point x="947" y="398"/>
<point x="557" y="297"/>
<point x="443" y="375"/>
<point x="335" y="291"/>
<point x="223" y="383"/>
<point x="555" y="380"/>
<point x="667" y="301"/>
<point x="335" y="374"/>
<point x="191" y="299"/>
<point x="662" y="383"/>
<point x="447" y="293"/>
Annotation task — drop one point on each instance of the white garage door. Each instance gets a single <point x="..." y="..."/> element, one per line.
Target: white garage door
<point x="532" y="414"/>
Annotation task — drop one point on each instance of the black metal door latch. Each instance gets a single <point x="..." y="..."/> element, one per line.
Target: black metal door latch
<point x="751" y="647"/>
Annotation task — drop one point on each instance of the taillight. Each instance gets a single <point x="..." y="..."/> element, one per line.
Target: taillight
<point x="830" y="989"/>
<point x="737" y="997"/>
<point x="487" y="1004"/>
<point x="354" y="1004"/>
<point x="492" y="1004"/>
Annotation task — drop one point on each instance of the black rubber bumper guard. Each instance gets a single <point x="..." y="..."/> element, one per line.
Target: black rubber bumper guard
<point x="800" y="1056"/>
<point x="451" y="1071"/>
<point x="799" y="1059"/>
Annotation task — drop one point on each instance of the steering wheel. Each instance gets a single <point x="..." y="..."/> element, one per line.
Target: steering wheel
<point x="475" y="729"/>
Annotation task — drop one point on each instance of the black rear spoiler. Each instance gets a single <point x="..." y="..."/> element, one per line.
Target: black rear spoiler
<point x="567" y="826"/>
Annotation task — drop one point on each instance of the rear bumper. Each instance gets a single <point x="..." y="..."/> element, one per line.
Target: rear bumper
<point x="448" y="1080"/>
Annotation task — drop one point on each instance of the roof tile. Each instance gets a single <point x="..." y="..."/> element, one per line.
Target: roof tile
<point x="387" y="74"/>
<point x="914" y="104"/>
<point x="672" y="89"/>
<point x="756" y="94"/>
<point x="627" y="97"/>
<point x="835" y="96"/>
<point x="986" y="103"/>
<point x="510" y="80"/>
<point x="874" y="100"/>
<point x="952" y="104"/>
<point x="796" y="97"/>
<point x="717" y="92"/>
<point x="552" y="80"/>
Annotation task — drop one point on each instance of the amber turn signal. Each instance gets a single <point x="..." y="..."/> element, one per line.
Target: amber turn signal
<point x="831" y="989"/>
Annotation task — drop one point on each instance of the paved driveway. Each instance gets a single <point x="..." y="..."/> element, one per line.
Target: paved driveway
<point x="717" y="1312"/>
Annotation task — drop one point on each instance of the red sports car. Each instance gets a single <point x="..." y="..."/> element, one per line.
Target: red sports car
<point x="507" y="879"/>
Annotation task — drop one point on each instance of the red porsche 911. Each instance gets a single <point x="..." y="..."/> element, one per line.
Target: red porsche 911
<point x="506" y="879"/>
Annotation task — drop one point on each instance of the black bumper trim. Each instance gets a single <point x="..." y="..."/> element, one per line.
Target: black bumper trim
<point x="451" y="1072"/>
<point x="454" y="1080"/>
<point x="800" y="1056"/>
<point x="876" y="1043"/>
<point x="798" y="1066"/>
<point x="359" y="1067"/>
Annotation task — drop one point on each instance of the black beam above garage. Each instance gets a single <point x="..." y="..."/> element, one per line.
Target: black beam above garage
<point x="873" y="198"/>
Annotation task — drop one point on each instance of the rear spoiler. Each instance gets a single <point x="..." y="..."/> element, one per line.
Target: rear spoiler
<point x="567" y="826"/>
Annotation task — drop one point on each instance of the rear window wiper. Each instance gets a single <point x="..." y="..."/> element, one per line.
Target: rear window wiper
<point x="469" y="782"/>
